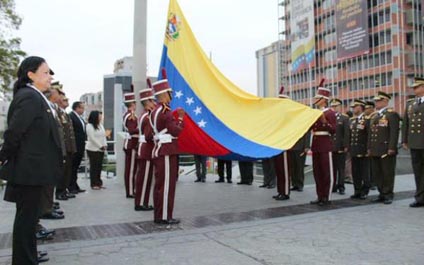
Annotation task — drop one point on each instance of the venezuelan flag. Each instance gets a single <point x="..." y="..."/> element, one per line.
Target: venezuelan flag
<point x="224" y="120"/>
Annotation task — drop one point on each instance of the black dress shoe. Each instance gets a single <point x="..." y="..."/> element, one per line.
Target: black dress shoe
<point x="41" y="259"/>
<point x="388" y="201"/>
<point x="276" y="196"/>
<point x="363" y="197"/>
<point x="40" y="236"/>
<point x="70" y="195"/>
<point x="416" y="205"/>
<point x="56" y="204"/>
<point x="203" y="180"/>
<point x="324" y="202"/>
<point x="62" y="197"/>
<point x="299" y="189"/>
<point x="219" y="181"/>
<point x="73" y="191"/>
<point x="52" y="216"/>
<point x="60" y="212"/>
<point x="130" y="196"/>
<point x="315" y="202"/>
<point x="56" y="207"/>
<point x="45" y="231"/>
<point x="80" y="190"/>
<point x="263" y="186"/>
<point x="143" y="208"/>
<point x="294" y="188"/>
<point x="241" y="183"/>
<point x="229" y="181"/>
<point x="283" y="198"/>
<point x="342" y="192"/>
<point x="271" y="187"/>
<point x="172" y="221"/>
<point x="355" y="196"/>
<point x="198" y="180"/>
<point x="378" y="199"/>
<point x="42" y="253"/>
<point x="373" y="188"/>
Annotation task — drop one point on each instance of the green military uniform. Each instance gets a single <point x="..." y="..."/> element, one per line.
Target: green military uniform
<point x="383" y="137"/>
<point x="413" y="136"/>
<point x="359" y="127"/>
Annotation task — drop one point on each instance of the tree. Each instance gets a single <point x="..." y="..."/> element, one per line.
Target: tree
<point x="10" y="52"/>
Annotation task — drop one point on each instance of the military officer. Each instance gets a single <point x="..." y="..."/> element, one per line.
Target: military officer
<point x="340" y="146"/>
<point x="382" y="146"/>
<point x="322" y="146"/>
<point x="359" y="127"/>
<point x="165" y="152"/>
<point x="413" y="138"/>
<point x="130" y="123"/>
<point x="369" y="112"/>
<point x="144" y="154"/>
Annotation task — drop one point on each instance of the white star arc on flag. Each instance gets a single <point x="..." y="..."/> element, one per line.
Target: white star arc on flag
<point x="202" y="124"/>
<point x="179" y="94"/>
<point x="189" y="101"/>
<point x="198" y="110"/>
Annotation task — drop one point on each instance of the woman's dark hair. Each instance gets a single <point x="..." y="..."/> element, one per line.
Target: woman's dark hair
<point x="93" y="118"/>
<point x="29" y="64"/>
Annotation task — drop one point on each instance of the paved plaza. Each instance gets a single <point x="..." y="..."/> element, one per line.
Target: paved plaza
<point x="232" y="224"/>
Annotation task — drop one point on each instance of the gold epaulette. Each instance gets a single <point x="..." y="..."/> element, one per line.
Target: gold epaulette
<point x="411" y="100"/>
<point x="344" y="114"/>
<point x="390" y="110"/>
<point x="352" y="118"/>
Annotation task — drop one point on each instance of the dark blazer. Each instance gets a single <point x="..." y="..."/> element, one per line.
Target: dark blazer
<point x="31" y="152"/>
<point x="79" y="132"/>
<point x="384" y="132"/>
<point x="341" y="137"/>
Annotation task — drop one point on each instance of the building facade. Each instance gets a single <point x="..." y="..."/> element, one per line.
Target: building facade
<point x="267" y="70"/>
<point x="93" y="101"/>
<point x="396" y="38"/>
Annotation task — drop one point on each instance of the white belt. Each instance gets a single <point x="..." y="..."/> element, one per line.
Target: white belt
<point x="322" y="133"/>
<point x="163" y="137"/>
<point x="134" y="136"/>
<point x="142" y="139"/>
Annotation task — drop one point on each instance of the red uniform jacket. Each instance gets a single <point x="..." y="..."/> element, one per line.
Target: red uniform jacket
<point x="131" y="127"/>
<point x="320" y="141"/>
<point x="163" y="120"/>
<point x="146" y="144"/>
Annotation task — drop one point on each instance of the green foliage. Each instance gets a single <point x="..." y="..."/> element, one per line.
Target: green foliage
<point x="10" y="52"/>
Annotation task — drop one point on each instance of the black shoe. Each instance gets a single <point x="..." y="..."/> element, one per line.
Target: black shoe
<point x="416" y="205"/>
<point x="52" y="216"/>
<point x="229" y="181"/>
<point x="45" y="231"/>
<point x="324" y="203"/>
<point x="40" y="236"/>
<point x="276" y="196"/>
<point x="143" y="208"/>
<point x="70" y="195"/>
<point x="56" y="204"/>
<point x="378" y="199"/>
<point x="299" y="189"/>
<point x="241" y="183"/>
<point x="198" y="180"/>
<point x="355" y="196"/>
<point x="342" y="192"/>
<point x="219" y="181"/>
<point x="271" y="187"/>
<point x="42" y="253"/>
<point x="172" y="221"/>
<point x="203" y="180"/>
<point x="283" y="198"/>
<point x="56" y="207"/>
<point x="41" y="259"/>
<point x="388" y="201"/>
<point x="130" y="196"/>
<point x="263" y="186"/>
<point x="294" y="188"/>
<point x="373" y="188"/>
<point x="80" y="190"/>
<point x="334" y="191"/>
<point x="363" y="197"/>
<point x="62" y="197"/>
<point x="315" y="202"/>
<point x="60" y="212"/>
<point x="73" y="191"/>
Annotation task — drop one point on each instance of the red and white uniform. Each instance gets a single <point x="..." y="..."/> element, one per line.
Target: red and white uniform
<point x="322" y="146"/>
<point x="130" y="123"/>
<point x="145" y="166"/>
<point x="165" y="160"/>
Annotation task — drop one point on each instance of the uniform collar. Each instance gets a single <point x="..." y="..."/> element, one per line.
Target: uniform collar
<point x="382" y="110"/>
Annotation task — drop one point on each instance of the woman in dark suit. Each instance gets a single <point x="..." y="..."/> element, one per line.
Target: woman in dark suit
<point x="31" y="155"/>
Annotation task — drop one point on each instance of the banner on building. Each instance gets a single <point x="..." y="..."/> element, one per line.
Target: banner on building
<point x="303" y="34"/>
<point x="352" y="28"/>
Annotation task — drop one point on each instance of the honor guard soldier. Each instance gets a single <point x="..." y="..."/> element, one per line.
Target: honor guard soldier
<point x="281" y="165"/>
<point x="130" y="123"/>
<point x="382" y="147"/>
<point x="165" y="153"/>
<point x="413" y="138"/>
<point x="359" y="127"/>
<point x="340" y="146"/>
<point x="322" y="147"/>
<point x="144" y="153"/>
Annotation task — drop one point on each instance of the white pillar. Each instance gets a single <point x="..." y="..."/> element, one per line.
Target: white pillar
<point x="139" y="48"/>
<point x="118" y="135"/>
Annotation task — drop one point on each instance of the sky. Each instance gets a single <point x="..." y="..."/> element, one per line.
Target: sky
<point x="81" y="39"/>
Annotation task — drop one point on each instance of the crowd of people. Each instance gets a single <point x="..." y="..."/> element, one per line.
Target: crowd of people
<point x="44" y="146"/>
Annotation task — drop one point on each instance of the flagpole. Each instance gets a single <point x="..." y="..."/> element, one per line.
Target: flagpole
<point x="139" y="49"/>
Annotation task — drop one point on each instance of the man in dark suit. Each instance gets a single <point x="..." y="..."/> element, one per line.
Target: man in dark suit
<point x="246" y="172"/>
<point x="31" y="154"/>
<point x="413" y="138"/>
<point x="340" y="146"/>
<point x="78" y="124"/>
<point x="382" y="147"/>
